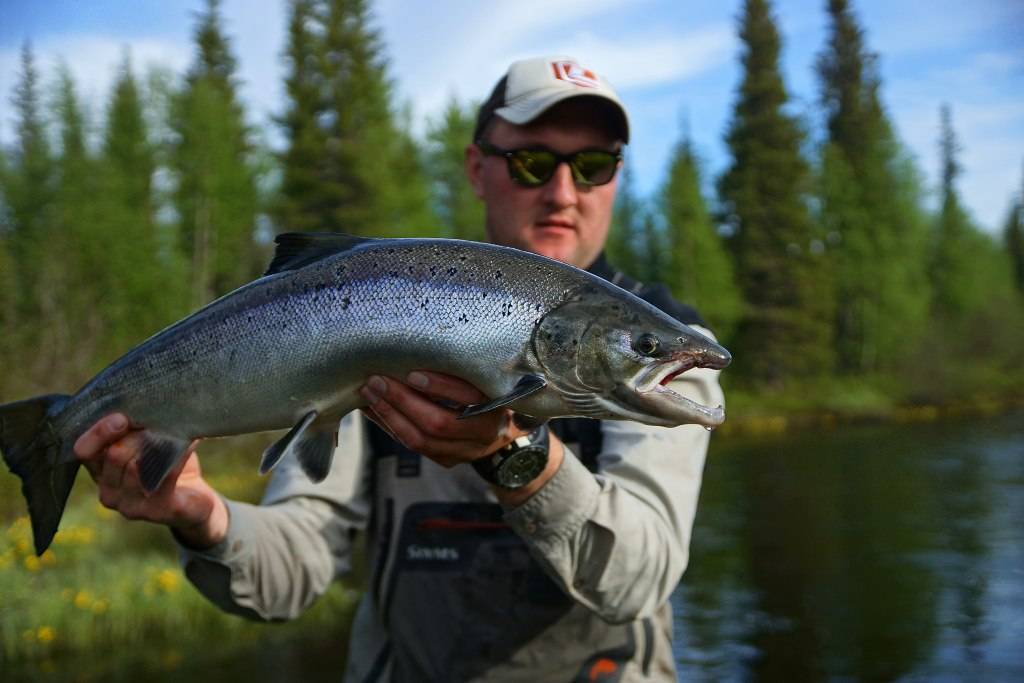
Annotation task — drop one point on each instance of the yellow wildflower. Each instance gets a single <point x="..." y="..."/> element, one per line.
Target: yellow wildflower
<point x="32" y="563"/>
<point x="22" y="545"/>
<point x="46" y="634"/>
<point x="48" y="558"/>
<point x="99" y="607"/>
<point x="83" y="600"/>
<point x="168" y="580"/>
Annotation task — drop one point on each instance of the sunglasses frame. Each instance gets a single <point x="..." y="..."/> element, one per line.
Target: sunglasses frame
<point x="489" y="149"/>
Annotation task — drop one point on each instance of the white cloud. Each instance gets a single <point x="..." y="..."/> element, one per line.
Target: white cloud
<point x="93" y="61"/>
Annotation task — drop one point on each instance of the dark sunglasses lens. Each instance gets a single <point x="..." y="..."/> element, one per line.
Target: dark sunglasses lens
<point x="594" y="167"/>
<point x="531" y="167"/>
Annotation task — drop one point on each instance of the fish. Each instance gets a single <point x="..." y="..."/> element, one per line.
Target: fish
<point x="291" y="349"/>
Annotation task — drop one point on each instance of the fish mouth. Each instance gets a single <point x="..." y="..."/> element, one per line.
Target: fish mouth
<point x="651" y="391"/>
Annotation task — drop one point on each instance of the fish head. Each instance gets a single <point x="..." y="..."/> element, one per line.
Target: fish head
<point x="613" y="356"/>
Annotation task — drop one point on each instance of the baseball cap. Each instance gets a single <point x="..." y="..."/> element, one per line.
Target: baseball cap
<point x="532" y="86"/>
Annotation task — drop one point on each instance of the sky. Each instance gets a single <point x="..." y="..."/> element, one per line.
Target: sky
<point x="674" y="62"/>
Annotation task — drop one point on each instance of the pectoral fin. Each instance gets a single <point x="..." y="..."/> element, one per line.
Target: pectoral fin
<point x="312" y="440"/>
<point x="159" y="454"/>
<point x="527" y="385"/>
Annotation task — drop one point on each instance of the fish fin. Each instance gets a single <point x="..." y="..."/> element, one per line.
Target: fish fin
<point x="528" y="384"/>
<point x="297" y="249"/>
<point x="32" y="449"/>
<point x="315" y="449"/>
<point x="159" y="454"/>
<point x="276" y="450"/>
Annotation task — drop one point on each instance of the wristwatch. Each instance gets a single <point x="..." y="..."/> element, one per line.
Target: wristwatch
<point x="518" y="463"/>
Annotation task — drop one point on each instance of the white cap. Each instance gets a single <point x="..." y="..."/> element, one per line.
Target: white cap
<point x="532" y="86"/>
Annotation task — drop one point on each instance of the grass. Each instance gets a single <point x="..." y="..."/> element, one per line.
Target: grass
<point x="109" y="585"/>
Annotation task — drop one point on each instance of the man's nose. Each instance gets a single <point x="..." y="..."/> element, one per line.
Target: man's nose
<point x="561" y="189"/>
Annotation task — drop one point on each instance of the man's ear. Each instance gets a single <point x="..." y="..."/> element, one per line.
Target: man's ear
<point x="474" y="165"/>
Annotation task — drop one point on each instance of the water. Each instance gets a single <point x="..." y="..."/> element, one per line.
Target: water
<point x="882" y="553"/>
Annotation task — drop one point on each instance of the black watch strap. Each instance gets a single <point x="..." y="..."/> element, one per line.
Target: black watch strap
<point x="518" y="463"/>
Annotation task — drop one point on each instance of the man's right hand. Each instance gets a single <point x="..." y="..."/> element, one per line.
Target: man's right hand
<point x="109" y="450"/>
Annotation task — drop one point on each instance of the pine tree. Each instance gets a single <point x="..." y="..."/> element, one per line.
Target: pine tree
<point x="138" y="282"/>
<point x="786" y="331"/>
<point x="625" y="245"/>
<point x="952" y="268"/>
<point x="698" y="269"/>
<point x="303" y="204"/>
<point x="216" y="196"/>
<point x="879" y="257"/>
<point x="458" y="208"/>
<point x="33" y="263"/>
<point x="1013" y="238"/>
<point x="350" y="165"/>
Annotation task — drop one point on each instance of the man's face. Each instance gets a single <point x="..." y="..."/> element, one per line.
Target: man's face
<point x="558" y="219"/>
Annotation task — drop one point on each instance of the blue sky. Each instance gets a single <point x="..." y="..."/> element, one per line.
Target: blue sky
<point x="671" y="61"/>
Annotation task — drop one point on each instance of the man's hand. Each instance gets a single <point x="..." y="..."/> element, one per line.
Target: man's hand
<point x="109" y="450"/>
<point x="418" y="413"/>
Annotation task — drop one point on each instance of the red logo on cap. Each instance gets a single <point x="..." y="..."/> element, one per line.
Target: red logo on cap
<point x="575" y="74"/>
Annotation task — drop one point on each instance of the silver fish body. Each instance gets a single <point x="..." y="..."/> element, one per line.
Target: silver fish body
<point x="291" y="350"/>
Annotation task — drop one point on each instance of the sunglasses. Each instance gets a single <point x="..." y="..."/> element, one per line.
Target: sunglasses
<point x="532" y="167"/>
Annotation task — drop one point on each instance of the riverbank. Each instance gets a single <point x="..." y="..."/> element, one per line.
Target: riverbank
<point x="824" y="405"/>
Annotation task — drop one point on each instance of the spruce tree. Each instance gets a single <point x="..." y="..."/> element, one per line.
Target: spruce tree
<point x="459" y="210"/>
<point x="1013" y="239"/>
<point x="138" y="284"/>
<point x="698" y="270"/>
<point x="952" y="262"/>
<point x="786" y="331"/>
<point x="625" y="245"/>
<point x="216" y="197"/>
<point x="879" y="256"/>
<point x="303" y="203"/>
<point x="350" y="164"/>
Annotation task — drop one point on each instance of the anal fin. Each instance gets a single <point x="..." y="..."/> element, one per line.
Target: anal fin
<point x="312" y="440"/>
<point x="160" y="452"/>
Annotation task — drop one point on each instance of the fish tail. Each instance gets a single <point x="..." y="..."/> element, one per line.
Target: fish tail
<point x="31" y="448"/>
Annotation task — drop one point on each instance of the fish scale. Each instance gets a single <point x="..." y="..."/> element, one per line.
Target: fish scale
<point x="292" y="349"/>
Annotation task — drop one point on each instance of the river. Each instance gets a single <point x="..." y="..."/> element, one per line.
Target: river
<point x="868" y="553"/>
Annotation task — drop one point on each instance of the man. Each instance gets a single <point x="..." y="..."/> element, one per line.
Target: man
<point x="562" y="575"/>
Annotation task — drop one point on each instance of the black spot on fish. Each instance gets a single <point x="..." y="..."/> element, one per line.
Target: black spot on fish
<point x="497" y="275"/>
<point x="452" y="271"/>
<point x="412" y="269"/>
<point x="537" y="307"/>
<point x="345" y="302"/>
<point x="463" y="318"/>
<point x="391" y="251"/>
<point x="393" y="273"/>
<point x="462" y="258"/>
<point x="433" y="270"/>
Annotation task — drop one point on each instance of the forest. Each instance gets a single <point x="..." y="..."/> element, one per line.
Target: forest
<point x="816" y="258"/>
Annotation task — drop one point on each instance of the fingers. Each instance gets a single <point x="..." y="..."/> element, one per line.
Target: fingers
<point x="445" y="387"/>
<point x="118" y="455"/>
<point x="417" y="421"/>
<point x="90" y="447"/>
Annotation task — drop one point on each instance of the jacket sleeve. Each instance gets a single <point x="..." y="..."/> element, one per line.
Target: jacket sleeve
<point x="618" y="541"/>
<point x="279" y="556"/>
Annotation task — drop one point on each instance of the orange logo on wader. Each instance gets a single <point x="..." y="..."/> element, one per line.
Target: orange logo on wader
<point x="602" y="667"/>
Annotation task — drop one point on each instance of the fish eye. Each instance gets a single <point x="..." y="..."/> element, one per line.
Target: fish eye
<point x="646" y="344"/>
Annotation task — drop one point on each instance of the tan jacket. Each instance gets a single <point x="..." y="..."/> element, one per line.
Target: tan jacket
<point x="574" y="582"/>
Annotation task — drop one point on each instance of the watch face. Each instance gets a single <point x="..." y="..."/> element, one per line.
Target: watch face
<point x="522" y="467"/>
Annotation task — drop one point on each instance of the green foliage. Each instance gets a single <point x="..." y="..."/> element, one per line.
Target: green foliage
<point x="216" y="197"/>
<point x="786" y="330"/>
<point x="460" y="211"/>
<point x="698" y="270"/>
<point x="1013" y="239"/>
<point x="625" y="246"/>
<point x="877" y="230"/>
<point x="350" y="166"/>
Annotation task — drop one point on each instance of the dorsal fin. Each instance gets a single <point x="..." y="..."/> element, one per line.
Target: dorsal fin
<point x="298" y="249"/>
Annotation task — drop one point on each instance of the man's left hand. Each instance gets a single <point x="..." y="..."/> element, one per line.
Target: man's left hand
<point x="422" y="413"/>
